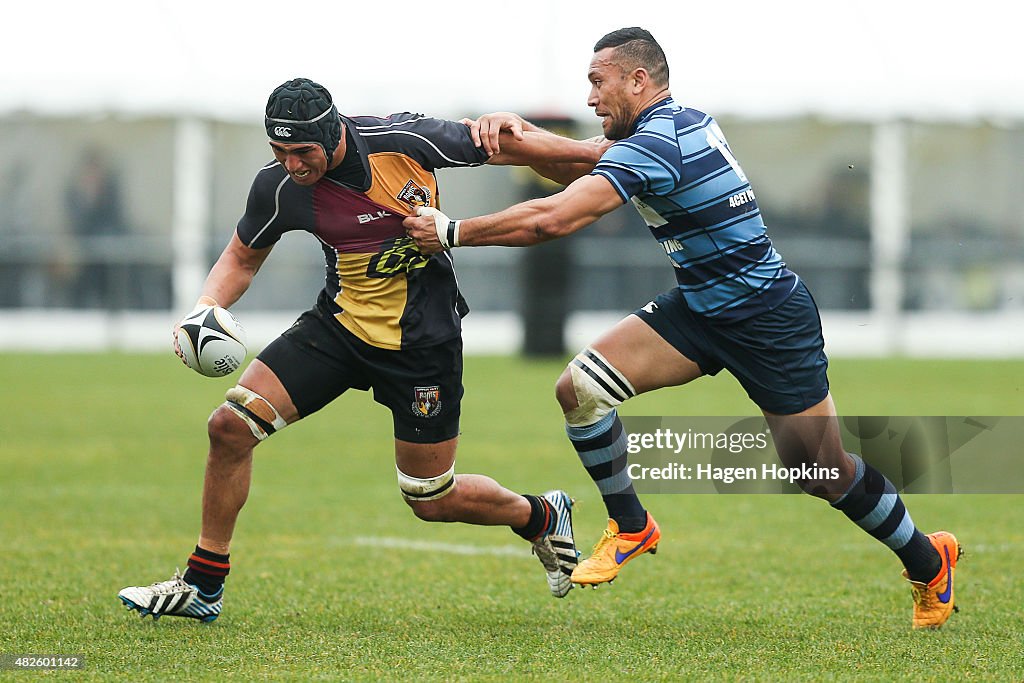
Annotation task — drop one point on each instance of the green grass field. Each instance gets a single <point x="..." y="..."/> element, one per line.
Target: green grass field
<point x="101" y="461"/>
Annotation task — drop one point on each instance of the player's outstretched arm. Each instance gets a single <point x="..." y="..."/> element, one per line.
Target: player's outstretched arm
<point x="488" y="130"/>
<point x="545" y="148"/>
<point x="565" y="173"/>
<point x="511" y="140"/>
<point x="233" y="272"/>
<point x="522" y="225"/>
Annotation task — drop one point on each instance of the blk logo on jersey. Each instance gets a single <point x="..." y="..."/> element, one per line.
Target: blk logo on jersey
<point x="427" y="401"/>
<point x="414" y="195"/>
<point x="369" y="217"/>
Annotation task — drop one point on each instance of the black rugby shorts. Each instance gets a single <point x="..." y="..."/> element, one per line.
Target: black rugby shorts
<point x="318" y="360"/>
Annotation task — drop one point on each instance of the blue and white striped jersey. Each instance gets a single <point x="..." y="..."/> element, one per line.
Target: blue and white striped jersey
<point x="677" y="169"/>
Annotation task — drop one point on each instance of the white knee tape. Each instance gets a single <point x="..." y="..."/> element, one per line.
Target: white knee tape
<point x="432" y="488"/>
<point x="599" y="388"/>
<point x="256" y="411"/>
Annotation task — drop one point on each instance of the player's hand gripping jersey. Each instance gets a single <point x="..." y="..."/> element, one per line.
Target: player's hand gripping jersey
<point x="678" y="170"/>
<point x="381" y="288"/>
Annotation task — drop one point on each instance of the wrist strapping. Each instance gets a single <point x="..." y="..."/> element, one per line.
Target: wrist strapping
<point x="448" y="235"/>
<point x="206" y="301"/>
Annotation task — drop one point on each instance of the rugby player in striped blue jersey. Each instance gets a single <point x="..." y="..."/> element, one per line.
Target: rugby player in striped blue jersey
<point x="736" y="306"/>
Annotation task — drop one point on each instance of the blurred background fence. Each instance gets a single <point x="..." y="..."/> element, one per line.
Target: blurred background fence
<point x="910" y="234"/>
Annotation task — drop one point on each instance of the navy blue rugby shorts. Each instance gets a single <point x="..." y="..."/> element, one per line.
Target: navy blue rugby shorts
<point x="317" y="360"/>
<point x="778" y="356"/>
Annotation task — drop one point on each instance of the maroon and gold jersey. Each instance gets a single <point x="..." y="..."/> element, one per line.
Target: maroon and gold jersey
<point x="382" y="289"/>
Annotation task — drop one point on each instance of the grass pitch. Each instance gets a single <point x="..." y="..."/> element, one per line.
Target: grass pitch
<point x="101" y="461"/>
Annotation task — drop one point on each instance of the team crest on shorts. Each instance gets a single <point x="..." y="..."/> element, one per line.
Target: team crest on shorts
<point x="427" y="401"/>
<point x="414" y="195"/>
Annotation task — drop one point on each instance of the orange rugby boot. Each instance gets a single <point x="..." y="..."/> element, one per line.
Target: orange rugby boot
<point x="614" y="550"/>
<point x="934" y="602"/>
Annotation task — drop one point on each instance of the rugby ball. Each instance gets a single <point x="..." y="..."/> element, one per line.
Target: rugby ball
<point x="212" y="341"/>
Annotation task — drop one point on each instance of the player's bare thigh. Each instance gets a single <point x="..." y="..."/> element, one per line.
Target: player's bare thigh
<point x="261" y="379"/>
<point x="425" y="460"/>
<point x="644" y="357"/>
<point x="415" y="459"/>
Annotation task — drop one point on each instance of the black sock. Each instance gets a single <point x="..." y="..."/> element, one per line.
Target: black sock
<point x="542" y="518"/>
<point x="626" y="510"/>
<point x="206" y="570"/>
<point x="920" y="558"/>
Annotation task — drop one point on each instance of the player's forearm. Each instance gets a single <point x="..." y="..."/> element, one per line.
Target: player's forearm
<point x="562" y="173"/>
<point x="232" y="274"/>
<point x="532" y="222"/>
<point x="225" y="287"/>
<point x="545" y="148"/>
<point x="522" y="225"/>
<point x="565" y="170"/>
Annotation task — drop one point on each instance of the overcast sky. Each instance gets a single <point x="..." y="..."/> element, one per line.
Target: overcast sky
<point x="874" y="58"/>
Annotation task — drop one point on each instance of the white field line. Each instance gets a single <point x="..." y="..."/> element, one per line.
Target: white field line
<point x="435" y="547"/>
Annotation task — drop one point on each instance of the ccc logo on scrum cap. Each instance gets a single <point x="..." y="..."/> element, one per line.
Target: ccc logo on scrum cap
<point x="283" y="131"/>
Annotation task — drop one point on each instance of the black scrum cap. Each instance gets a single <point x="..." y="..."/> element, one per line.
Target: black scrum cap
<point x="301" y="111"/>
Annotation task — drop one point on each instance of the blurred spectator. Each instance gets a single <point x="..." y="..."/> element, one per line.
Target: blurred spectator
<point x="93" y="202"/>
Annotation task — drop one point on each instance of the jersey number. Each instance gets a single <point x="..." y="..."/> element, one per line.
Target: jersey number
<point x="716" y="138"/>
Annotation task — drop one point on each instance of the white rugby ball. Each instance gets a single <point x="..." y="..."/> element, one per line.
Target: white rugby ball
<point x="212" y="341"/>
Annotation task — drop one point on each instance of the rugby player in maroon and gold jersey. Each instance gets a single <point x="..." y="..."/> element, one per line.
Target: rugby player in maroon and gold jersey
<point x="387" y="319"/>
